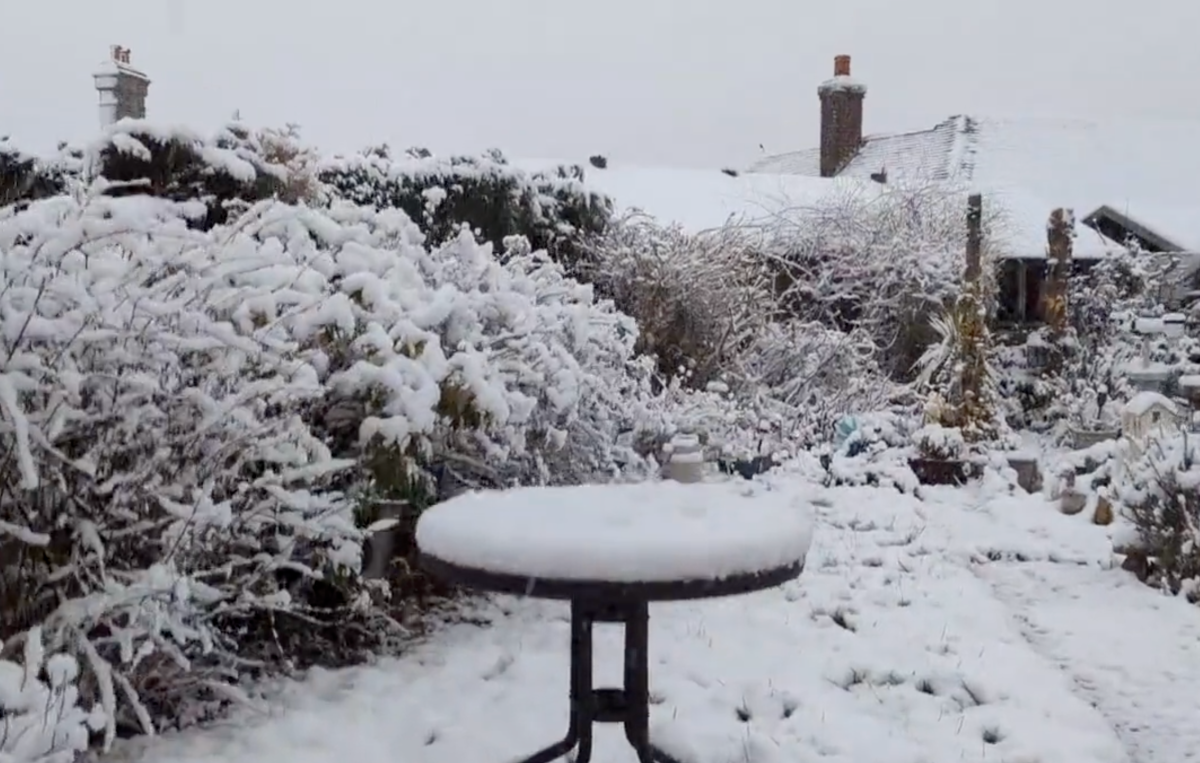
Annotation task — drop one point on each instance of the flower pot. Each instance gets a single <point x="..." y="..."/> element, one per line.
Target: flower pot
<point x="936" y="471"/>
<point x="1029" y="474"/>
<point x="1086" y="438"/>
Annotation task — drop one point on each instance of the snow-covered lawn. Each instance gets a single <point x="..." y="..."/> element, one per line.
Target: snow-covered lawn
<point x="968" y="626"/>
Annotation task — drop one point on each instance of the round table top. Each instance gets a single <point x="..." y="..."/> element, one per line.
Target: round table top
<point x="653" y="541"/>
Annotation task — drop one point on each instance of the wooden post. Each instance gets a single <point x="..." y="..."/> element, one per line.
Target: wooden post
<point x="1022" y="291"/>
<point x="1060" y="234"/>
<point x="974" y="238"/>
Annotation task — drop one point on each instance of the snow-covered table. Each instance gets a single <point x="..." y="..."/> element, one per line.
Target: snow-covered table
<point x="610" y="550"/>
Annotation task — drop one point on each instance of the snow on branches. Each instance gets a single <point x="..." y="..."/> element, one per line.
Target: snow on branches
<point x="1160" y="493"/>
<point x="698" y="298"/>
<point x="882" y="261"/>
<point x="735" y="363"/>
<point x="170" y="500"/>
<point x="40" y="717"/>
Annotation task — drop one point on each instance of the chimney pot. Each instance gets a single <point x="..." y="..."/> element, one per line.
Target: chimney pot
<point x="841" y="66"/>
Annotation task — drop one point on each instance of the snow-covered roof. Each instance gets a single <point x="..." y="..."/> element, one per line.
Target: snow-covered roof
<point x="1144" y="168"/>
<point x="922" y="155"/>
<point x="1141" y="167"/>
<point x="1144" y="402"/>
<point x="705" y="199"/>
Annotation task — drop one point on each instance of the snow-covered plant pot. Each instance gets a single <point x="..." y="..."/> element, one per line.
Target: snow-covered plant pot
<point x="1189" y="389"/>
<point x="1029" y="473"/>
<point x="940" y="443"/>
<point x="1083" y="437"/>
<point x="1095" y="418"/>
<point x="942" y="457"/>
<point x="685" y="459"/>
<point x="933" y="471"/>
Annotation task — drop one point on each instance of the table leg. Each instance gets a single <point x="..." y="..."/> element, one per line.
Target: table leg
<point x="637" y="686"/>
<point x="629" y="705"/>
<point x="579" y="729"/>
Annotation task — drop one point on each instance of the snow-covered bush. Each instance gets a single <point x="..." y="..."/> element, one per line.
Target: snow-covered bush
<point x="732" y="362"/>
<point x="25" y="178"/>
<point x="1160" y="495"/>
<point x="553" y="210"/>
<point x="810" y="367"/>
<point x="876" y="452"/>
<point x="160" y="473"/>
<point x="40" y="717"/>
<point x="227" y="172"/>
<point x="698" y="298"/>
<point x="1085" y="392"/>
<point x="884" y="260"/>
<point x="187" y="413"/>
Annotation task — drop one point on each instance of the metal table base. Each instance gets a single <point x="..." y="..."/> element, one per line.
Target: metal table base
<point x="629" y="705"/>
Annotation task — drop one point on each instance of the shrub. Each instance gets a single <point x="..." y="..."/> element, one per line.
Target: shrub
<point x="227" y="173"/>
<point x="25" y="178"/>
<point x="881" y="260"/>
<point x="876" y="452"/>
<point x="554" y="211"/>
<point x="699" y="299"/>
<point x="734" y="365"/>
<point x="1160" y="494"/>
<point x="192" y="417"/>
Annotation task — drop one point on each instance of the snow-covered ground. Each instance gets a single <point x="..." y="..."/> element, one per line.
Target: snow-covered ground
<point x="972" y="625"/>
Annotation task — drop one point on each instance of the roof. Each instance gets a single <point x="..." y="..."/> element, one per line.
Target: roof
<point x="933" y="154"/>
<point x="1144" y="402"/>
<point x="1144" y="169"/>
<point x="700" y="200"/>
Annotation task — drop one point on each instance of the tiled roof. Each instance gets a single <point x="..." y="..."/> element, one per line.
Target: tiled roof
<point x="939" y="153"/>
<point x="1145" y="169"/>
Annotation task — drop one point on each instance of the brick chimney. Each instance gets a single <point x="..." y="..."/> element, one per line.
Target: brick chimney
<point x="122" y="88"/>
<point x="841" y="117"/>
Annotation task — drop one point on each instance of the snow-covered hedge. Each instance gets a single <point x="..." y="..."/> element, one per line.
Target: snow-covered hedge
<point x="553" y="210"/>
<point x="189" y="414"/>
<point x="24" y="178"/>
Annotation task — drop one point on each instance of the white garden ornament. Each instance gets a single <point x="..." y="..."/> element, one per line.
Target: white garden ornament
<point x="1148" y="414"/>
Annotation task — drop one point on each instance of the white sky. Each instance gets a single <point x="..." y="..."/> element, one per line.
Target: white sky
<point x="654" y="82"/>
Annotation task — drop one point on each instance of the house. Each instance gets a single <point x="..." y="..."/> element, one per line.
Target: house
<point x="1148" y="413"/>
<point x="1127" y="180"/>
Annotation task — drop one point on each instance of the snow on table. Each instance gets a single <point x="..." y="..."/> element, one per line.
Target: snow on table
<point x="646" y="532"/>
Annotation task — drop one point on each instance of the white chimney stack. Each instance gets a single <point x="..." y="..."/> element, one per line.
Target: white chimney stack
<point x="122" y="88"/>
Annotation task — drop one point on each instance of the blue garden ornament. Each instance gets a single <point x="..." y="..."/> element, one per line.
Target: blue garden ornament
<point x="844" y="429"/>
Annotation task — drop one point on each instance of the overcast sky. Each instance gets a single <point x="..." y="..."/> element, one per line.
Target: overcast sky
<point x="654" y="82"/>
